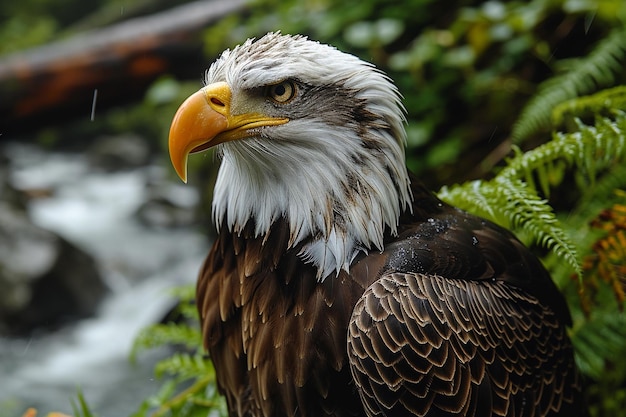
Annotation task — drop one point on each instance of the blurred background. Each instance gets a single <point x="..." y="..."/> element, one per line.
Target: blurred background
<point x="94" y="225"/>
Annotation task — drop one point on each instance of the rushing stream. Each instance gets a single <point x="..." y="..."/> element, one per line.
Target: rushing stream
<point x="97" y="212"/>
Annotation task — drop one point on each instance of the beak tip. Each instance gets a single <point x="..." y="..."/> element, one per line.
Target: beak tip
<point x="181" y="169"/>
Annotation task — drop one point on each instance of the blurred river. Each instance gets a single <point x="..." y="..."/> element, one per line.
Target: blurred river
<point x="97" y="211"/>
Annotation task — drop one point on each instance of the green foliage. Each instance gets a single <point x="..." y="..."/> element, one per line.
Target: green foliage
<point x="597" y="70"/>
<point x="603" y="103"/>
<point x="29" y="23"/>
<point x="81" y="409"/>
<point x="189" y="388"/>
<point x="599" y="343"/>
<point x="168" y="333"/>
<point x="512" y="198"/>
<point x="196" y="398"/>
<point x="26" y="31"/>
<point x="513" y="203"/>
<point x="184" y="366"/>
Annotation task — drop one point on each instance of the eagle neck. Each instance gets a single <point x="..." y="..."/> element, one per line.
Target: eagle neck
<point x="329" y="223"/>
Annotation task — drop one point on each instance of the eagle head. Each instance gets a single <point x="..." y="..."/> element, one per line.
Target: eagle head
<point x="308" y="136"/>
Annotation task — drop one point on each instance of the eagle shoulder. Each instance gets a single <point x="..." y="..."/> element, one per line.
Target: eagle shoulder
<point x="463" y="320"/>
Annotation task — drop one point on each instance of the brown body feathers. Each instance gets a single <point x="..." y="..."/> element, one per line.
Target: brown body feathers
<point x="454" y="318"/>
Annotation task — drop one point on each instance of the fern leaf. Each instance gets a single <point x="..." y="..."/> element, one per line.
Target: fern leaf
<point x="472" y="196"/>
<point x="595" y="71"/>
<point x="599" y="341"/>
<point x="199" y="399"/>
<point x="184" y="292"/>
<point x="602" y="103"/>
<point x="185" y="366"/>
<point x="513" y="204"/>
<point x="511" y="201"/>
<point x="164" y="334"/>
<point x="591" y="148"/>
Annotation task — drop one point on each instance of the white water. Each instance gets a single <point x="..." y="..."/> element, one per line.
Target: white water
<point x="96" y="212"/>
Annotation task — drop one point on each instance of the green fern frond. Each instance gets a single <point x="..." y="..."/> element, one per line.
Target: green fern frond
<point x="590" y="149"/>
<point x="526" y="210"/>
<point x="184" y="366"/>
<point x="512" y="203"/>
<point x="475" y="197"/>
<point x="511" y="197"/>
<point x="166" y="334"/>
<point x="613" y="180"/>
<point x="602" y="103"/>
<point x="598" y="340"/>
<point x="199" y="399"/>
<point x="187" y="296"/>
<point x="593" y="72"/>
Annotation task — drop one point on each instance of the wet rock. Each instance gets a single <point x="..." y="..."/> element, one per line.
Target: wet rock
<point x="8" y="193"/>
<point x="168" y="206"/>
<point x="44" y="280"/>
<point x="122" y="152"/>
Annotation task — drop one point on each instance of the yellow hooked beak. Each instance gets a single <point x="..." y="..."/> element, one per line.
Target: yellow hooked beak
<point x="205" y="120"/>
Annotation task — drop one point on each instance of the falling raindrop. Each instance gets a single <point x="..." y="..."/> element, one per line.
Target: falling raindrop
<point x="93" y="104"/>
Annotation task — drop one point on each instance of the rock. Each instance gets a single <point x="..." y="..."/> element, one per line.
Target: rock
<point x="8" y="193"/>
<point x="169" y="206"/>
<point x="44" y="280"/>
<point x="122" y="152"/>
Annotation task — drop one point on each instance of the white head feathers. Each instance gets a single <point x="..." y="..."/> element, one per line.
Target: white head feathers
<point x="336" y="171"/>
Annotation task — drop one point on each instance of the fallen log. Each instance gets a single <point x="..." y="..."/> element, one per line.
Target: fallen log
<point x="109" y="66"/>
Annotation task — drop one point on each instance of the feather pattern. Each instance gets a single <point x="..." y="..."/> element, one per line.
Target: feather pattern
<point x="339" y="286"/>
<point x="426" y="345"/>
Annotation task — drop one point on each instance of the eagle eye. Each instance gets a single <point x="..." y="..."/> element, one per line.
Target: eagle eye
<point x="282" y="92"/>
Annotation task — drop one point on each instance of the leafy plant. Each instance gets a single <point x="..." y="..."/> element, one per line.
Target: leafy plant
<point x="512" y="197"/>
<point x="597" y="70"/>
<point x="607" y="262"/>
<point x="81" y="408"/>
<point x="189" y="388"/>
<point x="591" y="155"/>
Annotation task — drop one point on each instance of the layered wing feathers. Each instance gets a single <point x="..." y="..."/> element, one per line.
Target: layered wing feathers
<point x="424" y="345"/>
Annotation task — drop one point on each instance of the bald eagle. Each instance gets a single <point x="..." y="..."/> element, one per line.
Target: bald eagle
<point x="338" y="285"/>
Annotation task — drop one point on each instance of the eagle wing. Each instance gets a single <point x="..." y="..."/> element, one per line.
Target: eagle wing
<point x="456" y="327"/>
<point x="425" y="345"/>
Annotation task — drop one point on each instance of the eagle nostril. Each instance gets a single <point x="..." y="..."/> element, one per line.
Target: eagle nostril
<point x="217" y="102"/>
